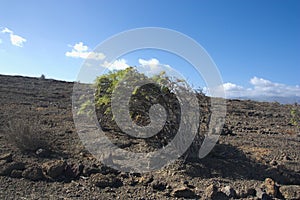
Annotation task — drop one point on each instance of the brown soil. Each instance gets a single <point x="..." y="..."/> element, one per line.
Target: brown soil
<point x="257" y="142"/>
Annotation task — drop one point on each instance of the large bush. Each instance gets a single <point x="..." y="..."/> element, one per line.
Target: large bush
<point x="160" y="90"/>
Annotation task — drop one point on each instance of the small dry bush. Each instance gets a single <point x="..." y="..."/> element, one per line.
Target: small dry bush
<point x="27" y="135"/>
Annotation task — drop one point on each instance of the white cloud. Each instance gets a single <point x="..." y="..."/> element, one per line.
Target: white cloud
<point x="153" y="67"/>
<point x="232" y="87"/>
<point x="15" y="40"/>
<point x="148" y="67"/>
<point x="80" y="50"/>
<point x="80" y="47"/>
<point x="6" y="30"/>
<point x="152" y="62"/>
<point x="261" y="87"/>
<point x="0" y="41"/>
<point x="116" y="65"/>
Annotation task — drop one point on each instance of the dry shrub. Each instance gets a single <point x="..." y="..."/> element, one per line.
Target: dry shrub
<point x="27" y="135"/>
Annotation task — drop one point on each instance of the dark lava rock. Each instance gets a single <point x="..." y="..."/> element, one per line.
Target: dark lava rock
<point x="88" y="170"/>
<point x="249" y="192"/>
<point x="270" y="187"/>
<point x="229" y="191"/>
<point x="158" y="185"/>
<point x="44" y="153"/>
<point x="7" y="157"/>
<point x="16" y="173"/>
<point x="290" y="191"/>
<point x="34" y="173"/>
<point x="54" y="168"/>
<point x="104" y="181"/>
<point x="211" y="192"/>
<point x="73" y="170"/>
<point x="7" y="168"/>
<point x="183" y="192"/>
<point x="261" y="194"/>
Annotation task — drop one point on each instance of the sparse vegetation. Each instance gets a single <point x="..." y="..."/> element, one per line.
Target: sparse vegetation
<point x="295" y="116"/>
<point x="259" y="148"/>
<point x="27" y="136"/>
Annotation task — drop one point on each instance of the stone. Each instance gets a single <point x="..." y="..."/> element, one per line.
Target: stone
<point x="44" y="153"/>
<point x="210" y="192"/>
<point x="290" y="191"/>
<point x="183" y="192"/>
<point x="262" y="194"/>
<point x="247" y="193"/>
<point x="229" y="191"/>
<point x="7" y="157"/>
<point x="251" y="192"/>
<point x="87" y="171"/>
<point x="270" y="187"/>
<point x="73" y="170"/>
<point x="108" y="170"/>
<point x="145" y="180"/>
<point x="16" y="173"/>
<point x="34" y="173"/>
<point x="54" y="168"/>
<point x="158" y="185"/>
<point x="104" y="181"/>
<point x="7" y="168"/>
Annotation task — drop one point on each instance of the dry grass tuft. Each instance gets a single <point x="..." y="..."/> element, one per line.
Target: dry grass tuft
<point x="27" y="135"/>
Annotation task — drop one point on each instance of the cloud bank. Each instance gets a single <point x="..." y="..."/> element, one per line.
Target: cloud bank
<point x="261" y="88"/>
<point x="15" y="40"/>
<point x="79" y="50"/>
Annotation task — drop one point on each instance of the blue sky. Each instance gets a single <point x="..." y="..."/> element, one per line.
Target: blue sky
<point x="255" y="44"/>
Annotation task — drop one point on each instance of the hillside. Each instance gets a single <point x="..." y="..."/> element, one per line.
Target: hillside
<point x="257" y="156"/>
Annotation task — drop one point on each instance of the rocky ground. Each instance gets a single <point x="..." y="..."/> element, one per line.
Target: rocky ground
<point x="257" y="156"/>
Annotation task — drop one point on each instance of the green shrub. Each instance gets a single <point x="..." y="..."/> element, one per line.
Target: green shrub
<point x="295" y="116"/>
<point x="159" y="90"/>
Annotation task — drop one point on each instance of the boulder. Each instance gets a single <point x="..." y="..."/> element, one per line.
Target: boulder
<point x="290" y="191"/>
<point x="261" y="194"/>
<point x="34" y="173"/>
<point x="158" y="185"/>
<point x="73" y="170"/>
<point x="229" y="191"/>
<point x="210" y="192"/>
<point x="7" y="168"/>
<point x="270" y="187"/>
<point x="183" y="192"/>
<point x="54" y="168"/>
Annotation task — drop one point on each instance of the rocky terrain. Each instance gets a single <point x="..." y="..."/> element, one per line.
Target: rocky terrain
<point x="257" y="156"/>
